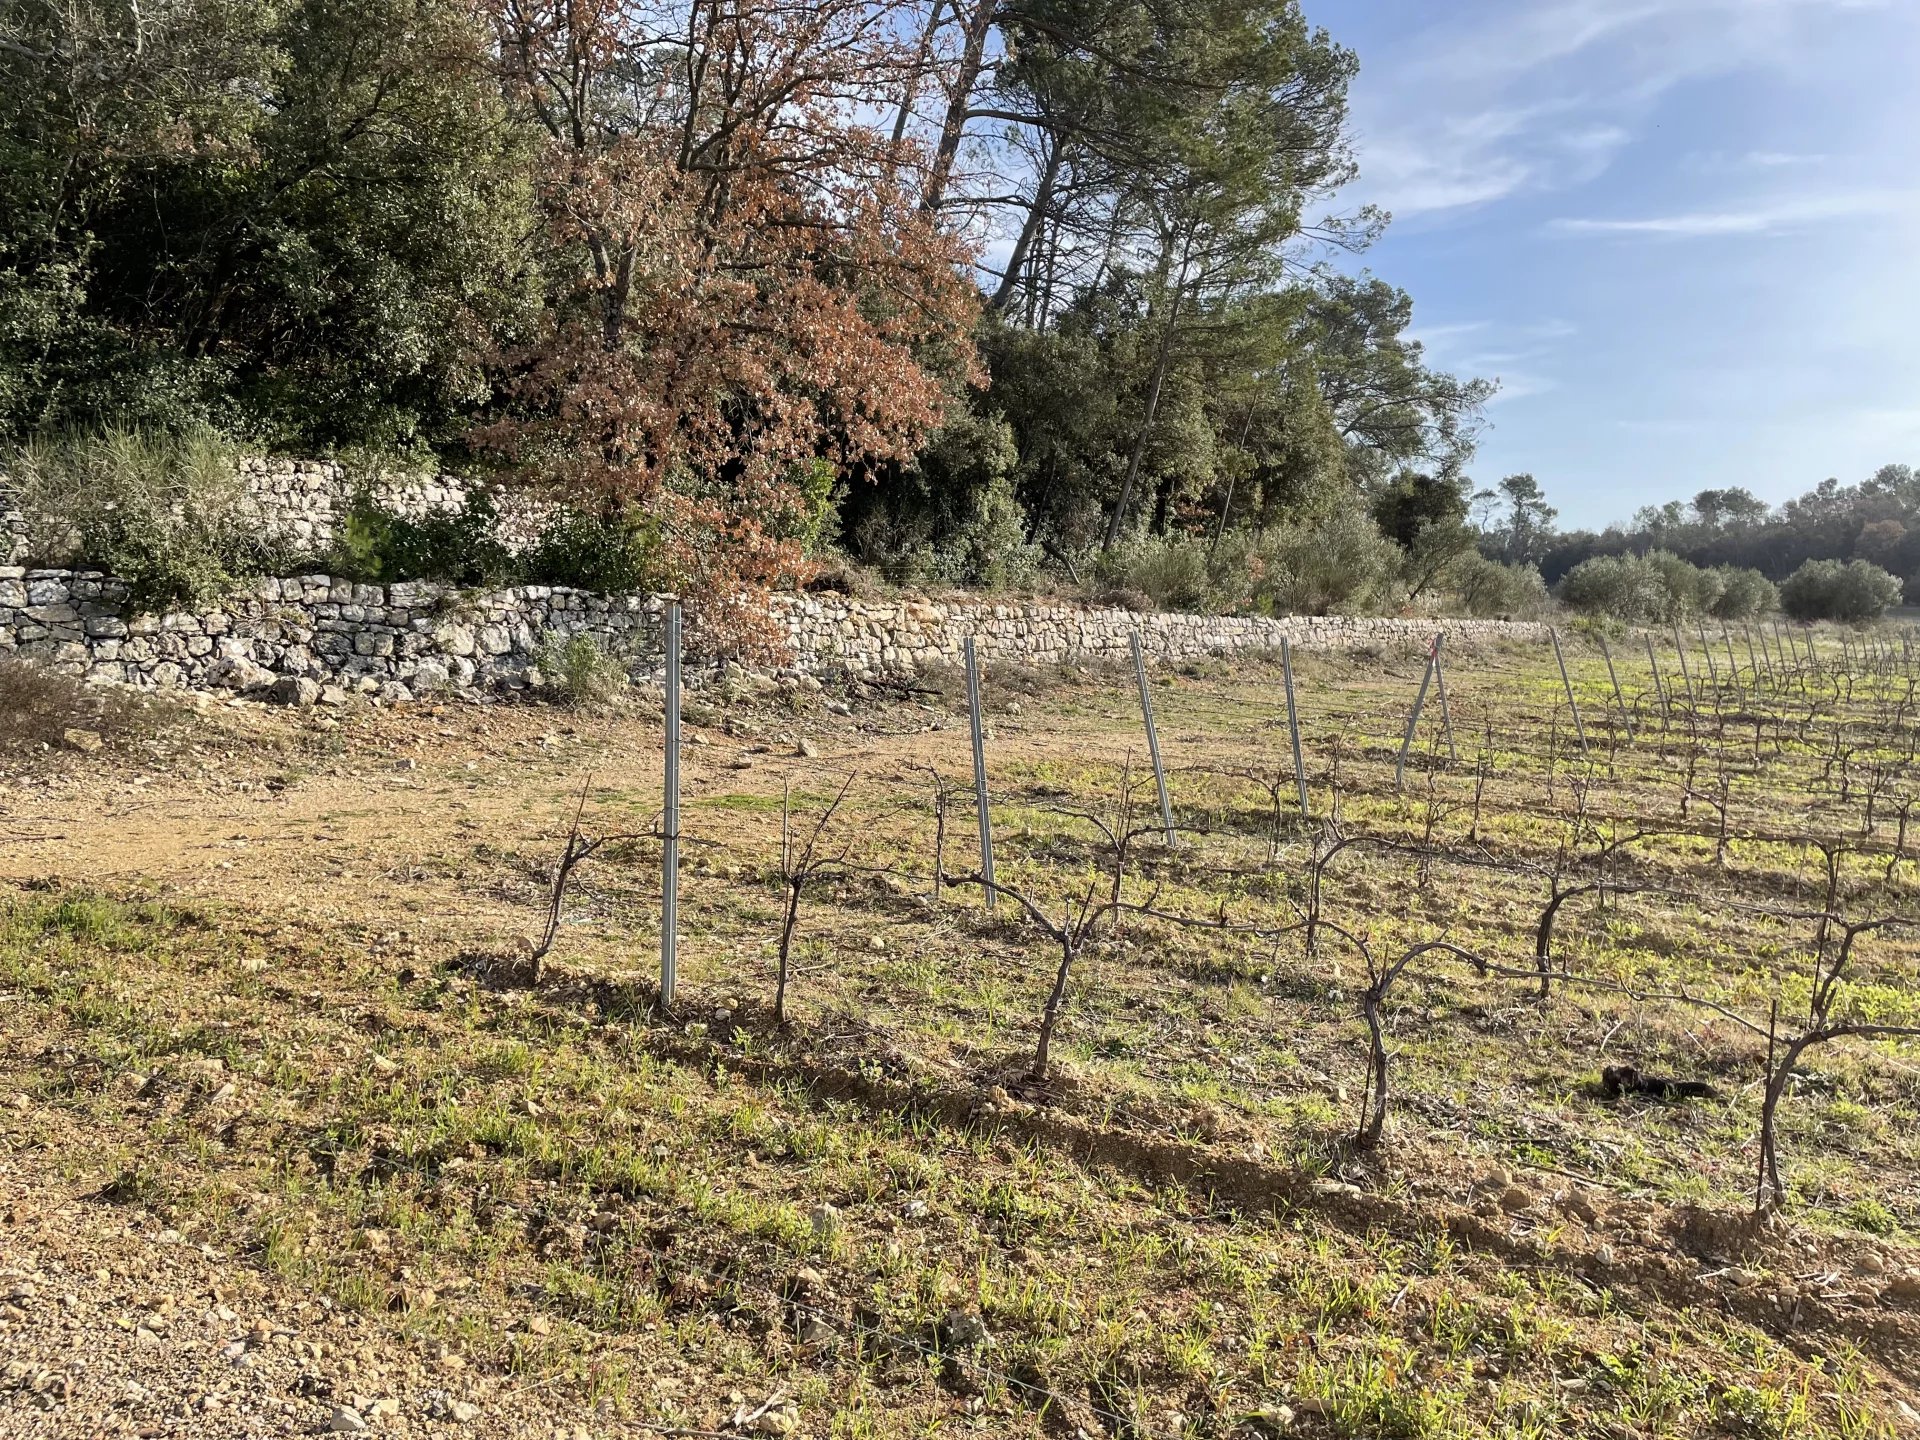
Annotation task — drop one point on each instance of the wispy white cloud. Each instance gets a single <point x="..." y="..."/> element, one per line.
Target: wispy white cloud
<point x="1525" y="38"/>
<point x="1724" y="162"/>
<point x="1770" y="218"/>
<point x="1482" y="156"/>
<point x="1519" y="355"/>
<point x="1538" y="96"/>
<point x="1435" y="337"/>
<point x="1412" y="182"/>
<point x="1738" y="186"/>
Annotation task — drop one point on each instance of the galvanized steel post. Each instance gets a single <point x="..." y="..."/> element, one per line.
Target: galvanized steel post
<point x="1566" y="682"/>
<point x="1446" y="710"/>
<point x="980" y="774"/>
<point x="1659" y="689"/>
<point x="1613" y="675"/>
<point x="1413" y="721"/>
<point x="670" y="817"/>
<point x="1680" y="644"/>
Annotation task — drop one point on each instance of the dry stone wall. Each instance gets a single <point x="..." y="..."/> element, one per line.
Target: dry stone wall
<point x="303" y="504"/>
<point x="302" y="507"/>
<point x="307" y="634"/>
<point x="304" y="636"/>
<point x="872" y="638"/>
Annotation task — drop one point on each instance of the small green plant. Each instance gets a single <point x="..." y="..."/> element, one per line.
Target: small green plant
<point x="1870" y="1215"/>
<point x="580" y="670"/>
<point x="612" y="554"/>
<point x="459" y="547"/>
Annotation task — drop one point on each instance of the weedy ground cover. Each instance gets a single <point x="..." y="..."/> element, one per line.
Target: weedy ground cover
<point x="329" y="1057"/>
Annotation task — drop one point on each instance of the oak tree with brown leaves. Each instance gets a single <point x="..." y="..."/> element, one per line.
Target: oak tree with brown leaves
<point x="749" y="301"/>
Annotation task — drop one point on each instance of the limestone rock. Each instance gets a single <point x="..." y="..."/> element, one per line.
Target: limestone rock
<point x="294" y="690"/>
<point x="963" y="1330"/>
<point x="1579" y="1206"/>
<point x="237" y="672"/>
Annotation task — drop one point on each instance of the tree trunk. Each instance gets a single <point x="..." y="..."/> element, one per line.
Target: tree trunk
<point x="1160" y="363"/>
<point x="1233" y="479"/>
<point x="1220" y="530"/>
<point x="1042" y="197"/>
<point x="1769" y="1108"/>
<point x="959" y="101"/>
<point x="794" y="885"/>
<point x="1373" y="1119"/>
<point x="1162" y="506"/>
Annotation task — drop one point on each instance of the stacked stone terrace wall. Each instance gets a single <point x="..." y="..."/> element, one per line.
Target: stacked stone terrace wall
<point x="302" y="506"/>
<point x="304" y="503"/>
<point x="307" y="633"/>
<point x="872" y="638"/>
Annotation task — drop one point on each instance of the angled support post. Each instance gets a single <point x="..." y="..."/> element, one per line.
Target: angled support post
<point x="1153" y="740"/>
<point x="1293" y="725"/>
<point x="1619" y="699"/>
<point x="1566" y="683"/>
<point x="1413" y="723"/>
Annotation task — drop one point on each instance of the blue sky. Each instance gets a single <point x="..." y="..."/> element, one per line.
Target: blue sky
<point x="1682" y="233"/>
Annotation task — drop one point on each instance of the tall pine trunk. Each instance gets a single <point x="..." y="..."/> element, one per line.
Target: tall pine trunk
<point x="1036" y="214"/>
<point x="1162" y="358"/>
<point x="959" y="102"/>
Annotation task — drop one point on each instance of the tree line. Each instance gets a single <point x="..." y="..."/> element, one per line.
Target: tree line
<point x="971" y="292"/>
<point x="967" y="287"/>
<point x="1843" y="552"/>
